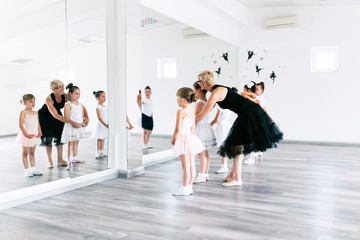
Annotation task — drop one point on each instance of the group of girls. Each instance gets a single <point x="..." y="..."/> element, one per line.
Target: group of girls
<point x="252" y="131"/>
<point x="49" y="125"/>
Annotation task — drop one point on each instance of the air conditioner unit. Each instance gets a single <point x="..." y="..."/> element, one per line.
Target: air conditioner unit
<point x="193" y="33"/>
<point x="281" y="22"/>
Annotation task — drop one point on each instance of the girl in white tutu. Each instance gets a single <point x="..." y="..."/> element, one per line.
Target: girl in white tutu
<point x="74" y="130"/>
<point x="204" y="131"/>
<point x="222" y="124"/>
<point x="186" y="144"/>
<point x="29" y="136"/>
<point x="101" y="128"/>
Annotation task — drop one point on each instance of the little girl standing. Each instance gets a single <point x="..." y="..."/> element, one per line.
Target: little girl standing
<point x="101" y="128"/>
<point x="30" y="134"/>
<point x="186" y="144"/>
<point x="77" y="117"/>
<point x="204" y="131"/>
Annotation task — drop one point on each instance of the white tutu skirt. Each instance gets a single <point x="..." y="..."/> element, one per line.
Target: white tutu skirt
<point x="72" y="134"/>
<point x="221" y="132"/>
<point x="187" y="144"/>
<point x="27" y="142"/>
<point x="100" y="131"/>
<point x="206" y="134"/>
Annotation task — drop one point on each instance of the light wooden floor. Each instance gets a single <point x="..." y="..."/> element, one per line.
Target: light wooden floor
<point x="11" y="167"/>
<point x="293" y="192"/>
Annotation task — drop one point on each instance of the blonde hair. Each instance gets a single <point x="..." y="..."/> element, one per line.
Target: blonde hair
<point x="208" y="77"/>
<point x="186" y="93"/>
<point x="27" y="97"/>
<point x="56" y="83"/>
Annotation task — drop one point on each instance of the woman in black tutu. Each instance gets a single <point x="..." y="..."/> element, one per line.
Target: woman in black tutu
<point x="252" y="131"/>
<point x="52" y="121"/>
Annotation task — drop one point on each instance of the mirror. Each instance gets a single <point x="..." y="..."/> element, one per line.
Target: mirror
<point x="33" y="50"/>
<point x="87" y="69"/>
<point x="167" y="55"/>
<point x="40" y="42"/>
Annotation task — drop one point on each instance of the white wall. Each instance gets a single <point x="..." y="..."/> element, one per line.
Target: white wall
<point x="192" y="55"/>
<point x="308" y="106"/>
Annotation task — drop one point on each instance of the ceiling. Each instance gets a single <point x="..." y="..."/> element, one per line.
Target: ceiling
<point x="280" y="3"/>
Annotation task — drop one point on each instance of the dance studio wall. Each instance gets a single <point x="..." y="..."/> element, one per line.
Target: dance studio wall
<point x="192" y="56"/>
<point x="309" y="106"/>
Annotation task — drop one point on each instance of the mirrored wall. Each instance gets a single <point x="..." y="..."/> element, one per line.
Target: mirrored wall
<point x="42" y="41"/>
<point x="166" y="55"/>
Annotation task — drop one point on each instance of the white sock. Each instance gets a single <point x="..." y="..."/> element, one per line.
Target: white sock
<point x="75" y="158"/>
<point x="207" y="175"/>
<point x="224" y="165"/>
<point x="32" y="169"/>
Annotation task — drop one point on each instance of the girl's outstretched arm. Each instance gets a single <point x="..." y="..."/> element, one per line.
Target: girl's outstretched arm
<point x="129" y="123"/>
<point x="85" y="117"/>
<point x="213" y="99"/>
<point x="67" y="116"/>
<point x="216" y="118"/>
<point x="98" y="113"/>
<point x="179" y="116"/>
<point x="39" y="128"/>
<point x="21" y="125"/>
<point x="52" y="110"/>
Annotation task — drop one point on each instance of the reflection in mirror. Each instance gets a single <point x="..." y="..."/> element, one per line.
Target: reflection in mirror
<point x="33" y="49"/>
<point x="87" y="69"/>
<point x="167" y="55"/>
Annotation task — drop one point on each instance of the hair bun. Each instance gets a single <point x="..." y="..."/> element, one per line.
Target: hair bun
<point x="69" y="85"/>
<point x="94" y="92"/>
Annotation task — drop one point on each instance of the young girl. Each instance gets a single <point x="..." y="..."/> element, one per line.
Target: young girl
<point x="77" y="117"/>
<point x="186" y="144"/>
<point x="29" y="136"/>
<point x="204" y="131"/>
<point x="101" y="128"/>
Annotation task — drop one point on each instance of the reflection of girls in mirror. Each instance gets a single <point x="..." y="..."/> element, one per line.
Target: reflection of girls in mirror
<point x="204" y="131"/>
<point x="147" y="118"/>
<point x="29" y="136"/>
<point x="52" y="121"/>
<point x="252" y="131"/>
<point x="186" y="144"/>
<point x="102" y="125"/>
<point x="76" y="115"/>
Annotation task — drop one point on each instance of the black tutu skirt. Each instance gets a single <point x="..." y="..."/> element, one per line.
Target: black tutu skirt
<point x="252" y="131"/>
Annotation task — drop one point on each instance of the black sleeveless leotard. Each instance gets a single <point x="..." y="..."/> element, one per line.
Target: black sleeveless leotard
<point x="252" y="131"/>
<point x="50" y="126"/>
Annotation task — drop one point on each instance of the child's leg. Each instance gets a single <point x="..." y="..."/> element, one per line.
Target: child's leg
<point x="224" y="161"/>
<point x="186" y="169"/>
<point x="25" y="154"/>
<point x="32" y="156"/>
<point x="75" y="148"/>
<point x="70" y="150"/>
<point x="102" y="142"/>
<point x="192" y="168"/>
<point x="202" y="174"/>
<point x="207" y="166"/>
<point x="202" y="158"/>
<point x="98" y="145"/>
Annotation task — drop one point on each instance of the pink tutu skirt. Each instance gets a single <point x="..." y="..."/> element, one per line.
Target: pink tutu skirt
<point x="27" y="142"/>
<point x="187" y="144"/>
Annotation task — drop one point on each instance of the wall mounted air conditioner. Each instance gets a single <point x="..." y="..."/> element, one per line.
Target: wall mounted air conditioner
<point x="193" y="33"/>
<point x="281" y="22"/>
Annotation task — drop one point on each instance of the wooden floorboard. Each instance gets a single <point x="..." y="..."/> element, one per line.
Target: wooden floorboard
<point x="12" y="170"/>
<point x="299" y="192"/>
